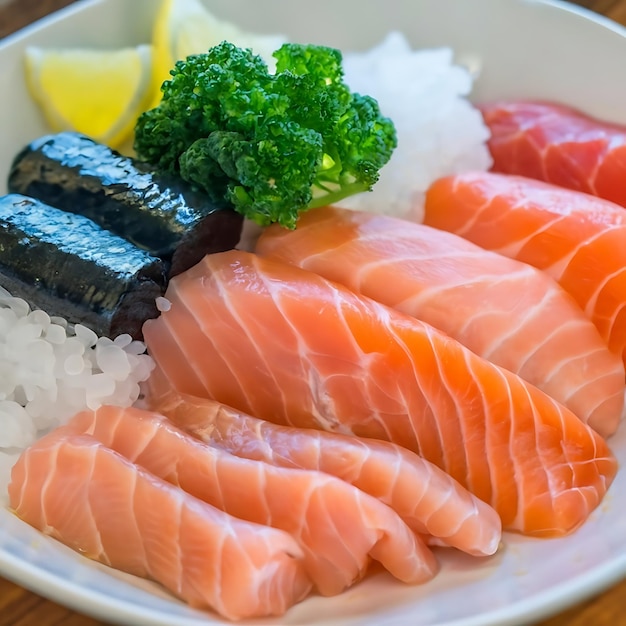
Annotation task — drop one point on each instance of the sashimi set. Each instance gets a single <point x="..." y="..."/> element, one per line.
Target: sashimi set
<point x="362" y="387"/>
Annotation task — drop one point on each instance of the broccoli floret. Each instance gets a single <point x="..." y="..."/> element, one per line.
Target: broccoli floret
<point x="271" y="144"/>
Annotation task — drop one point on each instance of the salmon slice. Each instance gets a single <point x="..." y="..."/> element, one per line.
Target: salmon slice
<point x="291" y="347"/>
<point x="426" y="498"/>
<point x="559" y="145"/>
<point x="76" y="490"/>
<point x="577" y="239"/>
<point x="337" y="526"/>
<point x="506" y="311"/>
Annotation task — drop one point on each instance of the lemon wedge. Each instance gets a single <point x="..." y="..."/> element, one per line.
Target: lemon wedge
<point x="184" y="27"/>
<point x="96" y="92"/>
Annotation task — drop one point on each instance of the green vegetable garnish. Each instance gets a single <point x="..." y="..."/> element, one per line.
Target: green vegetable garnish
<point x="271" y="144"/>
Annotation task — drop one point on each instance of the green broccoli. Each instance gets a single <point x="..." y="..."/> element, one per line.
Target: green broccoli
<point x="271" y="144"/>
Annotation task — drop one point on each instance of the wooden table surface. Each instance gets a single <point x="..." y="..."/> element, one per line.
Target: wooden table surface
<point x="19" y="607"/>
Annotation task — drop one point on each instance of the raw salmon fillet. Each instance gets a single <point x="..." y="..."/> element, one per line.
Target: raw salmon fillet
<point x="425" y="497"/>
<point x="559" y="145"/>
<point x="577" y="239"/>
<point x="337" y="526"/>
<point x="76" y="490"/>
<point x="289" y="346"/>
<point x="506" y="311"/>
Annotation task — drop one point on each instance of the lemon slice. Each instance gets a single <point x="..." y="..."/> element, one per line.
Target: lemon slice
<point x="96" y="92"/>
<point x="184" y="27"/>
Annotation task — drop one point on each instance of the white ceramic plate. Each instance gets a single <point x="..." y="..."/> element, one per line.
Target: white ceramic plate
<point x="519" y="48"/>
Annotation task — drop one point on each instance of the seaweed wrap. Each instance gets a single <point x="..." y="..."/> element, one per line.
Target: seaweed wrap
<point x="158" y="213"/>
<point x="67" y="265"/>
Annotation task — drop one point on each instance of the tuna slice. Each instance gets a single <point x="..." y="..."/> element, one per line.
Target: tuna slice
<point x="108" y="509"/>
<point x="425" y="497"/>
<point x="337" y="526"/>
<point x="559" y="145"/>
<point x="505" y="311"/>
<point x="577" y="239"/>
<point x="288" y="346"/>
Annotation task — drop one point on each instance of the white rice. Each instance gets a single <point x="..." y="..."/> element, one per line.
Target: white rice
<point x="439" y="131"/>
<point x="50" y="370"/>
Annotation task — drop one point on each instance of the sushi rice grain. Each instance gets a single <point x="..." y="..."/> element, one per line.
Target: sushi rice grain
<point x="50" y="370"/>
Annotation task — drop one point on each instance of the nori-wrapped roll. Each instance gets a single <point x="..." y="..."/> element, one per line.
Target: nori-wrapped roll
<point x="69" y="266"/>
<point x="157" y="213"/>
